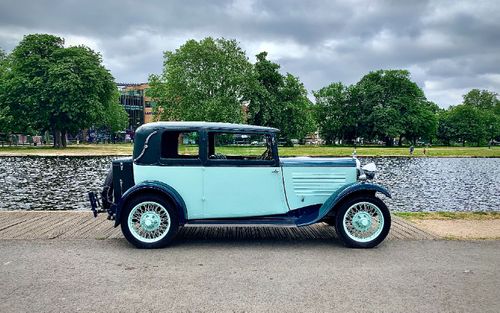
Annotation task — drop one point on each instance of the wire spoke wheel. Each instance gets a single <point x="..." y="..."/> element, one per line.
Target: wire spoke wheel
<point x="363" y="221"/>
<point x="149" y="221"/>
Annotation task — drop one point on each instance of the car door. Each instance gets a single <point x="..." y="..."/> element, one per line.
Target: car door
<point x="242" y="177"/>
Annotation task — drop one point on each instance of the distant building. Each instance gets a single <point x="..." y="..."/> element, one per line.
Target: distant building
<point x="138" y="106"/>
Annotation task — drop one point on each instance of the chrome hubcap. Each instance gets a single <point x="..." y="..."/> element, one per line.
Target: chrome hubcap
<point x="149" y="221"/>
<point x="363" y="221"/>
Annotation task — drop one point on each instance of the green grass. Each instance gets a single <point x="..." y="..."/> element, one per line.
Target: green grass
<point x="391" y="151"/>
<point x="448" y="215"/>
<point x="332" y="151"/>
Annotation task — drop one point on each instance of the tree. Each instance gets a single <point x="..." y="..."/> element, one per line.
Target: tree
<point x="295" y="113"/>
<point x="82" y="90"/>
<point x="421" y="120"/>
<point x="25" y="89"/>
<point x="389" y="105"/>
<point x="477" y="120"/>
<point x="488" y="103"/>
<point x="264" y="92"/>
<point x="5" y="117"/>
<point x="203" y="80"/>
<point x="331" y="111"/>
<point x="482" y="99"/>
<point x="279" y="101"/>
<point x="468" y="124"/>
<point x="115" y="117"/>
<point x="55" y="88"/>
<point x="5" y="121"/>
<point x="446" y="130"/>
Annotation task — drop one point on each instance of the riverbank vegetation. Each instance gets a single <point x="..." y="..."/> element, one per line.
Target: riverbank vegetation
<point x="209" y="79"/>
<point x="476" y="216"/>
<point x="298" y="150"/>
<point x="48" y="88"/>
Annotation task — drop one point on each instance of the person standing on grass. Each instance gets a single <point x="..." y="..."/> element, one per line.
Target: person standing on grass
<point x="412" y="148"/>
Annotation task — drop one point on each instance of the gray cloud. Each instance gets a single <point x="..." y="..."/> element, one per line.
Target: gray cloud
<point x="449" y="46"/>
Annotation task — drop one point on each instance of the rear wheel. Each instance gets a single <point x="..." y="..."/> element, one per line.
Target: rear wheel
<point x="149" y="221"/>
<point x="363" y="222"/>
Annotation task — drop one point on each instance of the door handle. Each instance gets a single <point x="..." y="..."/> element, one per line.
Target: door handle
<point x="275" y="171"/>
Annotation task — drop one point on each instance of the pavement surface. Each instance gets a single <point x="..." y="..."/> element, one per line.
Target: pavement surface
<point x="71" y="262"/>
<point x="234" y="275"/>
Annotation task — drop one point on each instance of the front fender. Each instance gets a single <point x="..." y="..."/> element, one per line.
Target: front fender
<point x="157" y="187"/>
<point x="341" y="194"/>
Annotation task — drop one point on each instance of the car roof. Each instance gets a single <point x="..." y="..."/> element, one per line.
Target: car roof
<point x="205" y="125"/>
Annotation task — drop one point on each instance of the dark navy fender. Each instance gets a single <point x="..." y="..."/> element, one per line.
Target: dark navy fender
<point x="156" y="186"/>
<point x="338" y="196"/>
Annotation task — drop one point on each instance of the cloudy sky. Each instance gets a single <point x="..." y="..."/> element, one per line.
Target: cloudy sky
<point x="448" y="46"/>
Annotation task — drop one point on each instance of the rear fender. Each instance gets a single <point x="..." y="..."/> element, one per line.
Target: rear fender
<point x="342" y="194"/>
<point x="155" y="187"/>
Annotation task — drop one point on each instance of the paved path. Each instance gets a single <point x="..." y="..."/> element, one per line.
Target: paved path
<point x="230" y="275"/>
<point x="81" y="225"/>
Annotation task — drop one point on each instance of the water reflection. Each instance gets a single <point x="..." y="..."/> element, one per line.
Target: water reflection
<point x="417" y="184"/>
<point x="440" y="184"/>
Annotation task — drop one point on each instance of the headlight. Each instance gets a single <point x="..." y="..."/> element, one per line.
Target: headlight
<point x="369" y="170"/>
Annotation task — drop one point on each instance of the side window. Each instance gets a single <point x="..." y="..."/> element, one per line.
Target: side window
<point x="240" y="147"/>
<point x="180" y="145"/>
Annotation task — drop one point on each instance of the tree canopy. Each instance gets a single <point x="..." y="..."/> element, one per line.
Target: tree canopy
<point x="264" y="94"/>
<point x="56" y="88"/>
<point x="5" y="117"/>
<point x="476" y="120"/>
<point x="50" y="87"/>
<point x="279" y="101"/>
<point x="203" y="80"/>
<point x="332" y="112"/>
<point x="115" y="118"/>
<point x="383" y="105"/>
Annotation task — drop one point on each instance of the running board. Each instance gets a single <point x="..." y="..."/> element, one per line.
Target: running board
<point x="275" y="221"/>
<point x="298" y="217"/>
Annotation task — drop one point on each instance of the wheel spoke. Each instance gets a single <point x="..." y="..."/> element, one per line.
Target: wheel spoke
<point x="363" y="221"/>
<point x="149" y="221"/>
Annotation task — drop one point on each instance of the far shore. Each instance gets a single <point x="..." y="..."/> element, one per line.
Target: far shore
<point x="298" y="150"/>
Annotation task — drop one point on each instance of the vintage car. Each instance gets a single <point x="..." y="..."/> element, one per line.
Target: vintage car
<point x="199" y="173"/>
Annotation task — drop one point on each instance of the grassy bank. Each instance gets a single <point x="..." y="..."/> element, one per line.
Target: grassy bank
<point x="126" y="149"/>
<point x="469" y="216"/>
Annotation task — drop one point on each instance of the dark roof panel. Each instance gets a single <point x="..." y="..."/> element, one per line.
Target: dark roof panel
<point x="204" y="125"/>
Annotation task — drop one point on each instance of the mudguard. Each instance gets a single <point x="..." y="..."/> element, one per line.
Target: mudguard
<point x="155" y="186"/>
<point x="338" y="196"/>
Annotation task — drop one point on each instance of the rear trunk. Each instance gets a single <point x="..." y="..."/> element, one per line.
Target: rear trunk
<point x="123" y="176"/>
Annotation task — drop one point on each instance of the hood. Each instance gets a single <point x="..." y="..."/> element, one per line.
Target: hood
<point x="318" y="162"/>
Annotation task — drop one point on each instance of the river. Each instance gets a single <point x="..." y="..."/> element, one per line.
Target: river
<point x="416" y="184"/>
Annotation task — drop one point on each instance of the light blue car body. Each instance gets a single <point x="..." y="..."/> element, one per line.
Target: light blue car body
<point x="233" y="192"/>
<point x="296" y="191"/>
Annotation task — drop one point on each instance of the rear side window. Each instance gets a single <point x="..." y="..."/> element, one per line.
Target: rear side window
<point x="240" y="147"/>
<point x="180" y="145"/>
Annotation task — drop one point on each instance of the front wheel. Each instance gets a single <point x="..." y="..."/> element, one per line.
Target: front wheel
<point x="148" y="222"/>
<point x="363" y="222"/>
